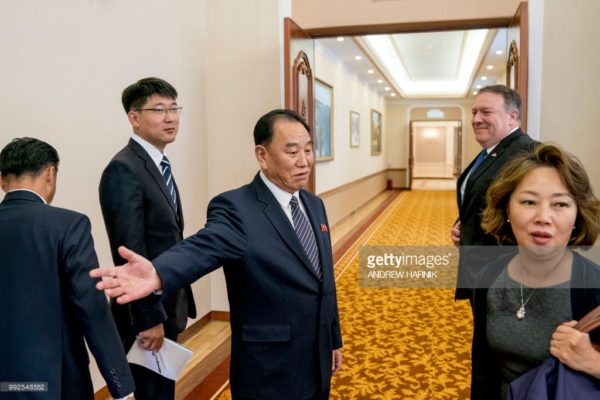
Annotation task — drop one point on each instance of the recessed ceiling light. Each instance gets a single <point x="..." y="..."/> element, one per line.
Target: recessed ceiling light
<point x="340" y="39"/>
<point x="475" y="93"/>
<point x="478" y="87"/>
<point x="490" y="67"/>
<point x="358" y="58"/>
<point x="371" y="71"/>
<point x="484" y="78"/>
<point x="386" y="88"/>
<point x="379" y="80"/>
<point x="393" y="94"/>
<point x="499" y="52"/>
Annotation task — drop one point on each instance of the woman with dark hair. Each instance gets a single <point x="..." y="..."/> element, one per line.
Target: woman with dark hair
<point x="543" y="203"/>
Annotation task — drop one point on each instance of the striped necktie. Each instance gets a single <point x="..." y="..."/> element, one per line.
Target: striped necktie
<point x="168" y="177"/>
<point x="306" y="235"/>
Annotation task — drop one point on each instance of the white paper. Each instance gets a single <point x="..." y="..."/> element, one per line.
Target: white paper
<point x="168" y="361"/>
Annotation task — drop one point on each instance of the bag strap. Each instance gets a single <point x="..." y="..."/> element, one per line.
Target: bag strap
<point x="590" y="321"/>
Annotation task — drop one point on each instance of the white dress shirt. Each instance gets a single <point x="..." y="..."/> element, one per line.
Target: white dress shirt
<point x="152" y="151"/>
<point x="283" y="197"/>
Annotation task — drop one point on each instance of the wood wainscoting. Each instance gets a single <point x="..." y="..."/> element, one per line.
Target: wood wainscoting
<point x="344" y="200"/>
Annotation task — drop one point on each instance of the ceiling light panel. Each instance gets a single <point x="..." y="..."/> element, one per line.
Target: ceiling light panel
<point x="386" y="50"/>
<point x="431" y="56"/>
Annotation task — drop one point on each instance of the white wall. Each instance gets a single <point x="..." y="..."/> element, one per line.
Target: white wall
<point x="349" y="93"/>
<point x="569" y="93"/>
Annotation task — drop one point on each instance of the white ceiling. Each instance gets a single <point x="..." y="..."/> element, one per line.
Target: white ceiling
<point x="431" y="56"/>
<point x="423" y="65"/>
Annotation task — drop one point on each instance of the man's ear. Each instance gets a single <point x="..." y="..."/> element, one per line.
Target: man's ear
<point x="50" y="175"/>
<point x="3" y="184"/>
<point x="261" y="155"/>
<point x="514" y="116"/>
<point x="133" y="118"/>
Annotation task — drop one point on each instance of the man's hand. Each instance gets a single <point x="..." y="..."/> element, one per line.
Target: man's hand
<point x="132" y="281"/>
<point x="336" y="362"/>
<point x="455" y="234"/>
<point x="152" y="339"/>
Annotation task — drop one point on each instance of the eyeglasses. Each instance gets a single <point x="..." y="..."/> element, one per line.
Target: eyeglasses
<point x="162" y="111"/>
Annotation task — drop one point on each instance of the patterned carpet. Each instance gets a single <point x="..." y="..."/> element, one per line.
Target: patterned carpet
<point x="402" y="343"/>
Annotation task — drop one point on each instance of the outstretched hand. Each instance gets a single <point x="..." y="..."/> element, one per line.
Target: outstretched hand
<point x="132" y="281"/>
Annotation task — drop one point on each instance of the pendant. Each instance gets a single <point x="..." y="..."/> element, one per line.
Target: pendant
<point x="521" y="313"/>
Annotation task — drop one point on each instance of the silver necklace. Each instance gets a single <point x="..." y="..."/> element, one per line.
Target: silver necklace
<point x="521" y="311"/>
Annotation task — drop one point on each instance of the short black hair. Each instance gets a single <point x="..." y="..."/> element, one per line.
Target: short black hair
<point x="512" y="98"/>
<point x="27" y="156"/>
<point x="263" y="130"/>
<point x="135" y="96"/>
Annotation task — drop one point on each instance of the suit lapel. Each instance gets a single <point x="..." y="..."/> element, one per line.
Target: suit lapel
<point x="281" y="223"/>
<point x="490" y="159"/>
<point x="155" y="174"/>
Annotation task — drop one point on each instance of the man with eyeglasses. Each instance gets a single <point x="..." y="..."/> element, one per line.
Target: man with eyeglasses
<point x="142" y="210"/>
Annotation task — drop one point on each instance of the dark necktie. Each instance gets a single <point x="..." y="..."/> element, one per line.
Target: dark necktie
<point x="478" y="161"/>
<point x="306" y="235"/>
<point x="168" y="177"/>
<point x="476" y="165"/>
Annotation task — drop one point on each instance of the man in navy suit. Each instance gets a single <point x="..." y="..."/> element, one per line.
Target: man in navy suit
<point x="272" y="239"/>
<point x="48" y="304"/>
<point x="142" y="210"/>
<point x="496" y="122"/>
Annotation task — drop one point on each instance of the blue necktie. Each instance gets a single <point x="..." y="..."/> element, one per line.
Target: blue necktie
<point x="168" y="177"/>
<point x="306" y="235"/>
<point x="476" y="164"/>
<point x="478" y="161"/>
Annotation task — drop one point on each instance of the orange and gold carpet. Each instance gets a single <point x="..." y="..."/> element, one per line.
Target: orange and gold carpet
<point x="402" y="343"/>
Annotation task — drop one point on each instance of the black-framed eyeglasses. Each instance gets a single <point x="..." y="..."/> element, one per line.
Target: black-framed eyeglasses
<point x="162" y="111"/>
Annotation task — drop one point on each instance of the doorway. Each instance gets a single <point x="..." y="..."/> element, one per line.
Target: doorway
<point x="435" y="154"/>
<point x="299" y="52"/>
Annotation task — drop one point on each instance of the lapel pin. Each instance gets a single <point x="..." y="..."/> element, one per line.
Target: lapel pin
<point x="493" y="154"/>
<point x="324" y="228"/>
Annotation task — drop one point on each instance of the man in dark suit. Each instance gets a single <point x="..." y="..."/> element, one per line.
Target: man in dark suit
<point x="496" y="122"/>
<point x="272" y="239"/>
<point x="48" y="304"/>
<point x="142" y="210"/>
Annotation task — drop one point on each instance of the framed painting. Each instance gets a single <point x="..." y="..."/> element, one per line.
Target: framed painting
<point x="375" y="132"/>
<point x="323" y="137"/>
<point x="354" y="129"/>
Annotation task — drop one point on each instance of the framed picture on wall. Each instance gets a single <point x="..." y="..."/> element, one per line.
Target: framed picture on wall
<point x="375" y="132"/>
<point x="354" y="129"/>
<point x="323" y="137"/>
